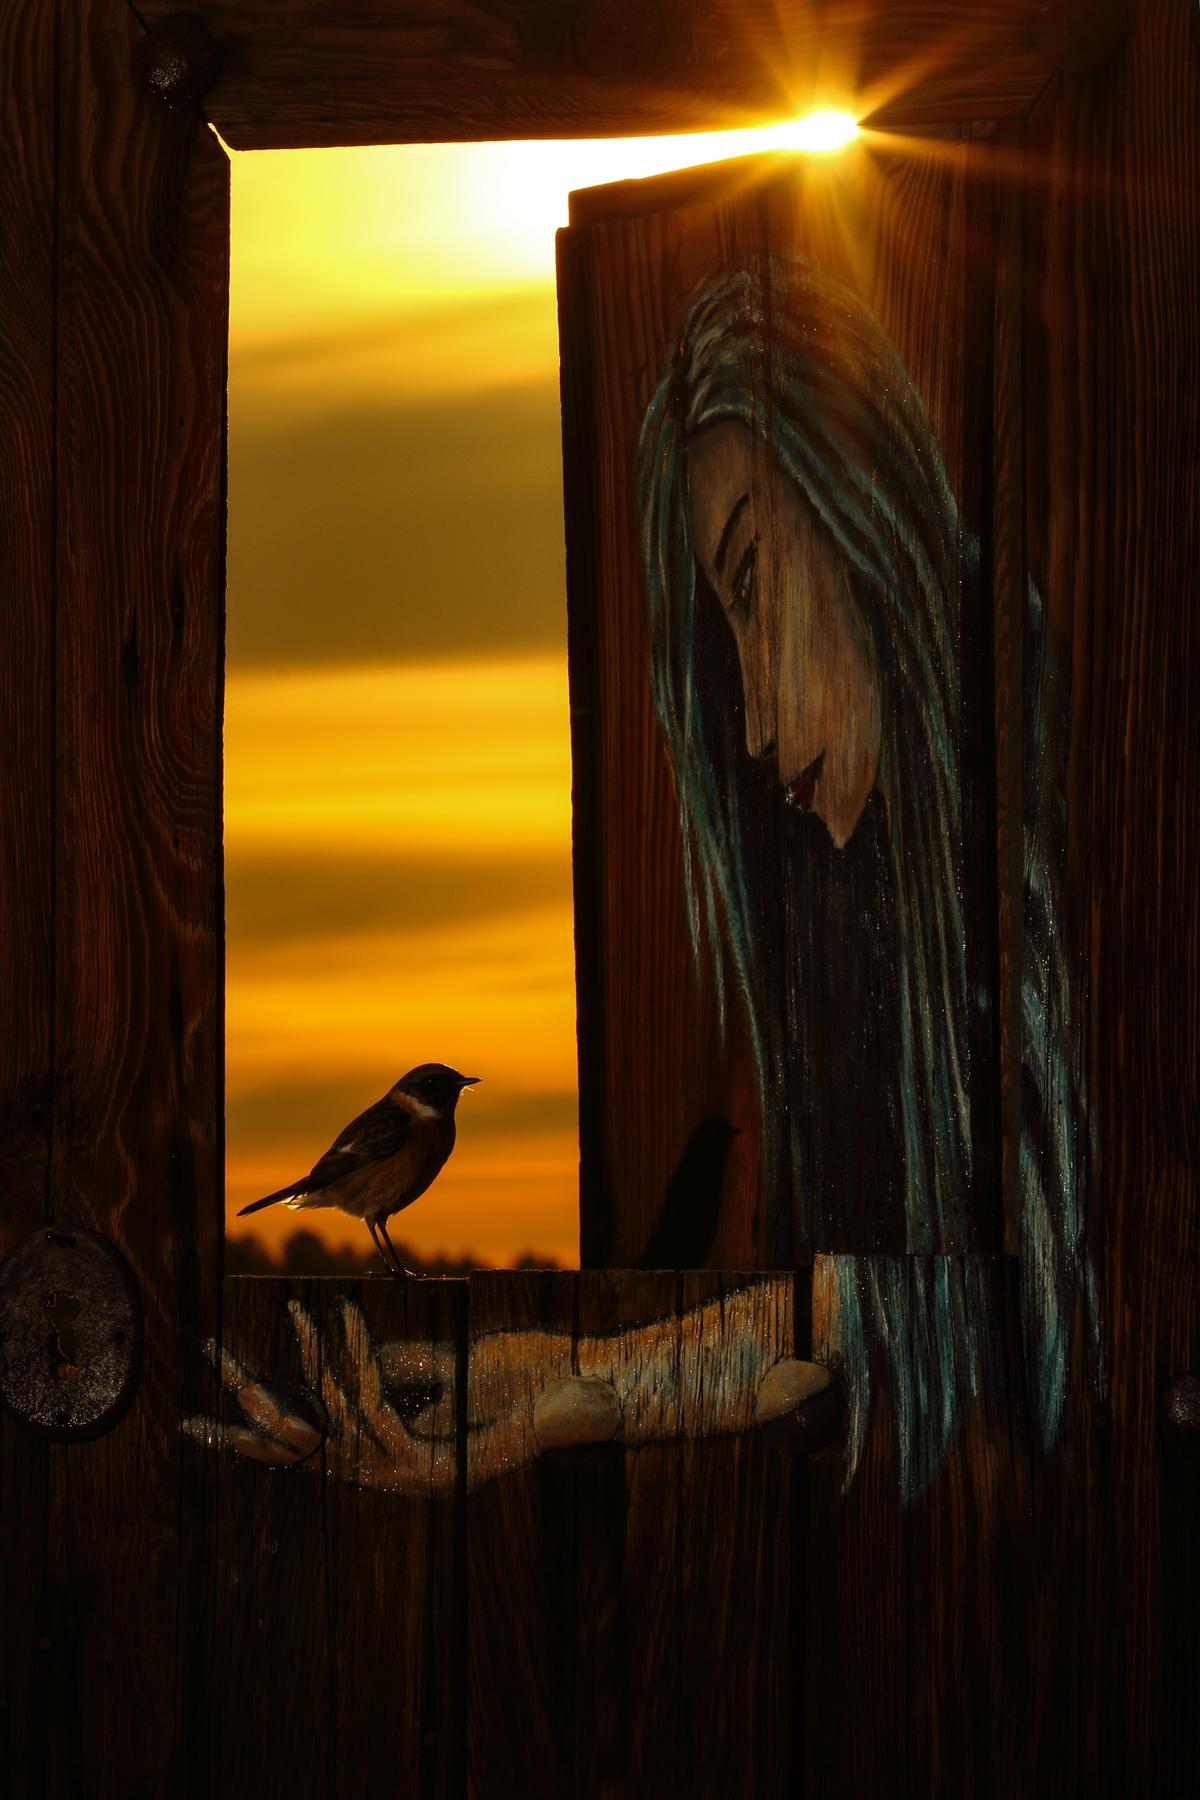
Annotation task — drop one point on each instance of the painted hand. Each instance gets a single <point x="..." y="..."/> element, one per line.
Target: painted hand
<point x="389" y="1416"/>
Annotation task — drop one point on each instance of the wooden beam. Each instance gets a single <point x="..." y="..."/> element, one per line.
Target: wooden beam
<point x="337" y="1585"/>
<point x="309" y="72"/>
<point x="1113" y="504"/>
<point x="138" y="472"/>
<point x="567" y="1667"/>
<point x="672" y="1158"/>
<point x="939" y="1634"/>
<point x="624" y="1592"/>
<point x="27" y="574"/>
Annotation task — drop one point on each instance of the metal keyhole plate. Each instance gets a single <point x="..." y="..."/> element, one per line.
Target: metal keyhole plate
<point x="70" y="1333"/>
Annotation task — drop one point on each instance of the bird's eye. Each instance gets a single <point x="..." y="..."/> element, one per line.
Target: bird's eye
<point x="741" y="599"/>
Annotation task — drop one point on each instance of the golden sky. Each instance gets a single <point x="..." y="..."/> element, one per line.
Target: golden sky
<point x="397" y="763"/>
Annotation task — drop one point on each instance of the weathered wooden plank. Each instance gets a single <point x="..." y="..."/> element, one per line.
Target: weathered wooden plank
<point x="706" y="1571"/>
<point x="271" y="1587"/>
<point x="1114" y="516"/>
<point x="338" y="1582"/>
<point x="27" y="598"/>
<point x="1009" y="582"/>
<point x="141" y="347"/>
<point x="997" y="1580"/>
<point x="521" y="1539"/>
<point x="314" y="72"/>
<point x="27" y="153"/>
<point x="623" y="1590"/>
<point x="581" y="514"/>
<point x="644" y="1091"/>
<point x="393" y="1550"/>
<point x="912" y="231"/>
<point x="919" y="1667"/>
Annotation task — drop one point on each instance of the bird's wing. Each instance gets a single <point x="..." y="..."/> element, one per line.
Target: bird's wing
<point x="380" y="1132"/>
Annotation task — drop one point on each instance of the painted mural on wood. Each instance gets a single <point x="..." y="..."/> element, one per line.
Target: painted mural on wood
<point x="815" y="604"/>
<point x="387" y="1412"/>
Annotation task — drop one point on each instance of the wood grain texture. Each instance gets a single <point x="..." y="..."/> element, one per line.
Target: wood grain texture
<point x="27" y="574"/>
<point x="142" y="211"/>
<point x="340" y="1609"/>
<point x="652" y="1063"/>
<point x="1009" y="576"/>
<point x="920" y="1676"/>
<point x="1047" y="1614"/>
<point x="705" y="1585"/>
<point x="27" y="232"/>
<point x="912" y="228"/>
<point x="623" y="1592"/>
<point x="317" y="72"/>
<point x="1114" y="516"/>
<point x="520" y="1659"/>
<point x="1018" y="1630"/>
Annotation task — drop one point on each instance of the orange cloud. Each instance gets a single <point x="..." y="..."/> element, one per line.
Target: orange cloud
<point x="428" y="758"/>
<point x="467" y="762"/>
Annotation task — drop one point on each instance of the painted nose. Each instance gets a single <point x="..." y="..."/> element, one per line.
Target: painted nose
<point x="757" y="686"/>
<point x="760" y="725"/>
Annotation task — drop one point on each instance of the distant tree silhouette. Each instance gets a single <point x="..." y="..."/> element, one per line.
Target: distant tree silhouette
<point x="304" y="1253"/>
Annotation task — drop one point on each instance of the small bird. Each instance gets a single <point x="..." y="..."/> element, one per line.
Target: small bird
<point x="387" y="1157"/>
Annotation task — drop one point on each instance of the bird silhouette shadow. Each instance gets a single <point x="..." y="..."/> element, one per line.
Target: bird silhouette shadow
<point x="687" y="1221"/>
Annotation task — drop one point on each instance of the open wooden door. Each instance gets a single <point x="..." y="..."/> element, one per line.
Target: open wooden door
<point x="544" y="1544"/>
<point x="857" y="573"/>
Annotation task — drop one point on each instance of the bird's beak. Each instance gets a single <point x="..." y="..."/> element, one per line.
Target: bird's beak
<point x="470" y="1080"/>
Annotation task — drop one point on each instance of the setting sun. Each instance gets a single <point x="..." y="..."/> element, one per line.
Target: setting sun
<point x="324" y="235"/>
<point x="398" y="779"/>
<point x="823" y="131"/>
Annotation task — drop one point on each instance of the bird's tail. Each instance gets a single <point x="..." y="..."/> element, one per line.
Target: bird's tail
<point x="284" y="1193"/>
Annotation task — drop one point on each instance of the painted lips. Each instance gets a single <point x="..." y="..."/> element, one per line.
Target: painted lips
<point x="800" y="791"/>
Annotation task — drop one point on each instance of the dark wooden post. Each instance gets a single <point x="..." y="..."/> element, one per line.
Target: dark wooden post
<point x="116" y="225"/>
<point x="27" y="715"/>
<point x="1114" y="530"/>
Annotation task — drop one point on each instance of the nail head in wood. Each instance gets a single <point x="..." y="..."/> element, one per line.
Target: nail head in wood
<point x="1080" y="36"/>
<point x="176" y="62"/>
<point x="579" y="1409"/>
<point x="800" y="1405"/>
<point x="1181" y="1405"/>
<point x="70" y="1333"/>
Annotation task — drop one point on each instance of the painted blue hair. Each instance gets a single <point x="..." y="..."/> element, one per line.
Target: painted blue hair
<point x="785" y="351"/>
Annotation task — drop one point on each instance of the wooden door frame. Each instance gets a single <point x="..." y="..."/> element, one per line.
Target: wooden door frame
<point x="115" y="598"/>
<point x="369" y="72"/>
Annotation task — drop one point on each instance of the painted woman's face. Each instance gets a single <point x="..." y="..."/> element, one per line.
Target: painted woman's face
<point x="810" y="686"/>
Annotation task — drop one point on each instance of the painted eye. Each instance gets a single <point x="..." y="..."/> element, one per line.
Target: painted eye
<point x="742" y="591"/>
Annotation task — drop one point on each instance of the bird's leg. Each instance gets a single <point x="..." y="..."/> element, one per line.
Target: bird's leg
<point x="399" y="1266"/>
<point x="387" y="1260"/>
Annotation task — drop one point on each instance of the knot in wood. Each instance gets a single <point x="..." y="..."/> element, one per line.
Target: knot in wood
<point x="70" y="1333"/>
<point x="177" y="61"/>
<point x="1181" y="1404"/>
